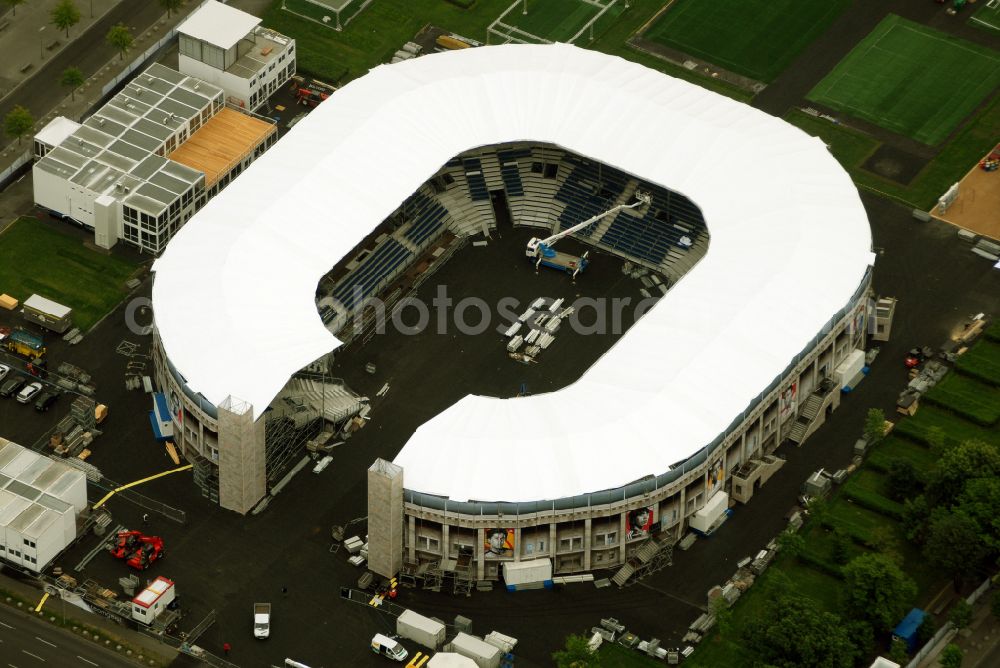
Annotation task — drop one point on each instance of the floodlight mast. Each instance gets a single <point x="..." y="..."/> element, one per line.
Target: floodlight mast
<point x="541" y="251"/>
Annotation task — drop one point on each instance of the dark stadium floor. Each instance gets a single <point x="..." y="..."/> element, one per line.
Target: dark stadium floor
<point x="225" y="562"/>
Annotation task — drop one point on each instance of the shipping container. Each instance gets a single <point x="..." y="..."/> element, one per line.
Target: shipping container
<point x="518" y="574"/>
<point x="484" y="654"/>
<point x="428" y="632"/>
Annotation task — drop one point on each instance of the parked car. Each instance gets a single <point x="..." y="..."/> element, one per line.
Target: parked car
<point x="11" y="386"/>
<point x="4" y="370"/>
<point x="28" y="392"/>
<point x="45" y="400"/>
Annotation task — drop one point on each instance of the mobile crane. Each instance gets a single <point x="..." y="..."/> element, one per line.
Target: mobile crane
<point x="540" y="251"/>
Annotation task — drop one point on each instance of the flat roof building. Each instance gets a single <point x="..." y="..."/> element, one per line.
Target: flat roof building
<point x="112" y="174"/>
<point x="227" y="46"/>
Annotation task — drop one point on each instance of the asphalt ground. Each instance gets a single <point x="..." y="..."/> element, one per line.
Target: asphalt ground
<point x="88" y="51"/>
<point x="26" y="642"/>
<point x="225" y="562"/>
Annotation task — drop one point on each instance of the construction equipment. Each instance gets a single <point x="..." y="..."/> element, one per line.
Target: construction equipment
<point x="23" y="342"/>
<point x="540" y="251"/>
<point x="311" y="93"/>
<point x="150" y="550"/>
<point x="125" y="544"/>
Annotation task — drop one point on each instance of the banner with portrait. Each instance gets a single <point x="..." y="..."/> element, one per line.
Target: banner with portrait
<point x="498" y="543"/>
<point x="788" y="401"/>
<point x="638" y="523"/>
<point x="715" y="475"/>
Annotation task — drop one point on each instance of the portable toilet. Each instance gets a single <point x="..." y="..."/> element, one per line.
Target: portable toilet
<point x="906" y="630"/>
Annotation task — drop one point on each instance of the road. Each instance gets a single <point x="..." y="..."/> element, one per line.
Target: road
<point x="42" y="92"/>
<point x="26" y="642"/>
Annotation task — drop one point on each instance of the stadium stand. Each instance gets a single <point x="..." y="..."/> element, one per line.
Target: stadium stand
<point x="377" y="267"/>
<point x="426" y="217"/>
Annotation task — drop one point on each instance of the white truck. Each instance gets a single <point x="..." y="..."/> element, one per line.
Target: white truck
<point x="261" y="620"/>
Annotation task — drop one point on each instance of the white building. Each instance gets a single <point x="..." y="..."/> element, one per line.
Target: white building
<point x="40" y="500"/>
<point x="147" y="160"/>
<point x="227" y="47"/>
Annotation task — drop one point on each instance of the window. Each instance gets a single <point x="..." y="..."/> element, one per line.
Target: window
<point x="537" y="167"/>
<point x="551" y="170"/>
<point x="29" y="543"/>
<point x="572" y="543"/>
<point x="428" y="544"/>
<point x="529" y="548"/>
<point x="605" y="539"/>
<point x="32" y="560"/>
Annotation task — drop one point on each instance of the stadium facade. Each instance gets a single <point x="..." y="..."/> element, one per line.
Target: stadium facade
<point x="750" y="347"/>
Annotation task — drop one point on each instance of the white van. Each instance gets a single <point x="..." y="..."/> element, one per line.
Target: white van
<point x="388" y="647"/>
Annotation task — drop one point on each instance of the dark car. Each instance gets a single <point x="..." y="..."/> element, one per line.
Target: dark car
<point x="45" y="401"/>
<point x="11" y="386"/>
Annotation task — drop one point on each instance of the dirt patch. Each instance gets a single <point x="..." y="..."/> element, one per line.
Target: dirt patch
<point x="895" y="163"/>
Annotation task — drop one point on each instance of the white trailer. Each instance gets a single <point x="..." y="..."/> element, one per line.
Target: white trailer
<point x="707" y="518"/>
<point x="153" y="600"/>
<point x="47" y="313"/>
<point x="531" y="574"/>
<point x="484" y="654"/>
<point x="428" y="632"/>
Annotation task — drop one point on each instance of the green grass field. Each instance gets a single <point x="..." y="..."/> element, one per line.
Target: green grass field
<point x="554" y="20"/>
<point x="893" y="447"/>
<point x="987" y="18"/>
<point x="968" y="397"/>
<point x="61" y="268"/>
<point x="755" y="38"/>
<point x="982" y="361"/>
<point x="911" y="79"/>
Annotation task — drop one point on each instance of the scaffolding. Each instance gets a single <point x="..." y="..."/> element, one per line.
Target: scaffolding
<point x="652" y="556"/>
<point x="285" y="437"/>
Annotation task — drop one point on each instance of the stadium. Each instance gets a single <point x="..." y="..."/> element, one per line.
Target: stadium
<point x="751" y="232"/>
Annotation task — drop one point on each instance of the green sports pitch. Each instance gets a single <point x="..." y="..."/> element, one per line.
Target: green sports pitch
<point x="755" y="38"/>
<point x="987" y="16"/>
<point x="911" y="79"/>
<point x="559" y="20"/>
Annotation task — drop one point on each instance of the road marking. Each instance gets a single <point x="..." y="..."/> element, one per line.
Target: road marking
<point x="50" y="644"/>
<point x="33" y="655"/>
<point x="8" y="626"/>
<point x="86" y="660"/>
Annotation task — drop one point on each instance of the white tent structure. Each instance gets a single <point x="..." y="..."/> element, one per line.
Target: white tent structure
<point x="790" y="243"/>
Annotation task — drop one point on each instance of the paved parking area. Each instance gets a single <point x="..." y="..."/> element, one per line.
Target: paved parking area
<point x="225" y="562"/>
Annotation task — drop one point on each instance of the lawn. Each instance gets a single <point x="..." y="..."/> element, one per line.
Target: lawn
<point x="755" y="38"/>
<point x="555" y="20"/>
<point x="60" y="267"/>
<point x="852" y="148"/>
<point x="616" y="656"/>
<point x="968" y="397"/>
<point x="911" y="79"/>
<point x="982" y="361"/>
<point x="899" y="448"/>
<point x="954" y="427"/>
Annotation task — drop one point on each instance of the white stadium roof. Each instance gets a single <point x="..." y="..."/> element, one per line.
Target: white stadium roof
<point x="789" y="245"/>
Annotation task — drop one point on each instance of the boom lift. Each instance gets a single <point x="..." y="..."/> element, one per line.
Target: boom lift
<point x="540" y="251"/>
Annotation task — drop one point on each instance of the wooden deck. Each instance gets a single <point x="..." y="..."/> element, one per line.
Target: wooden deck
<point x="977" y="204"/>
<point x="221" y="142"/>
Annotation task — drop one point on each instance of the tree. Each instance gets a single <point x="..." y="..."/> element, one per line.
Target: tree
<point x="995" y="604"/>
<point x="874" y="426"/>
<point x="877" y="590"/>
<point x="966" y="461"/>
<point x="954" y="544"/>
<point x="916" y="515"/>
<point x="72" y="78"/>
<point x="980" y="500"/>
<point x="791" y="542"/>
<point x="840" y="552"/>
<point x="793" y="632"/>
<point x="723" y="616"/>
<point x="576" y="654"/>
<point x="898" y="652"/>
<point x="18" y="122"/>
<point x="961" y="614"/>
<point x="903" y="480"/>
<point x="65" y="15"/>
<point x="171" y="6"/>
<point x="13" y="4"/>
<point x="120" y="38"/>
<point x="951" y="656"/>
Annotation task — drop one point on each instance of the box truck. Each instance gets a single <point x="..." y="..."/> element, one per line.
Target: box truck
<point x="261" y="620"/>
<point x="428" y="632"/>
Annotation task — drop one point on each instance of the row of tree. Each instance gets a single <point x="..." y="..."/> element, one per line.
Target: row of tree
<point x="66" y="14"/>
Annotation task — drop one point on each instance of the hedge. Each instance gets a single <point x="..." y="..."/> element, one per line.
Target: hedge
<point x="874" y="502"/>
